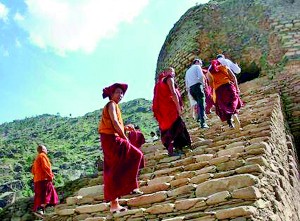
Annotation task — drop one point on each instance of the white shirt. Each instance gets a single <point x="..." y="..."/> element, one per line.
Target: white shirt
<point x="233" y="66"/>
<point x="193" y="76"/>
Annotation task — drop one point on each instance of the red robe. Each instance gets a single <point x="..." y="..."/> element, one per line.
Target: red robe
<point x="122" y="160"/>
<point x="172" y="128"/>
<point x="164" y="108"/>
<point x="136" y="138"/>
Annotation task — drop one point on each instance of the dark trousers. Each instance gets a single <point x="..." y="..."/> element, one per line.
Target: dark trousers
<point x="197" y="92"/>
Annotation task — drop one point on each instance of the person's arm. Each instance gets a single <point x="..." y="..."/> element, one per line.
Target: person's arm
<point x="171" y="84"/>
<point x="200" y="74"/>
<point x="129" y="127"/>
<point x="234" y="67"/>
<point x="114" y="119"/>
<point x="233" y="77"/>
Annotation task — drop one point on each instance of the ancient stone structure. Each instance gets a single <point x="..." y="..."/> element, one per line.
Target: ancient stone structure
<point x="262" y="35"/>
<point x="245" y="175"/>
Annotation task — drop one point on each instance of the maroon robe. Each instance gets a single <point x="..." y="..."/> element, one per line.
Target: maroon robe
<point x="228" y="101"/>
<point x="136" y="138"/>
<point x="122" y="161"/>
<point x="44" y="193"/>
<point x="172" y="128"/>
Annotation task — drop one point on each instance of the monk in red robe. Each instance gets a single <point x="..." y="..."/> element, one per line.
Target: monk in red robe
<point x="122" y="160"/>
<point x="225" y="93"/>
<point x="44" y="191"/>
<point x="167" y="108"/>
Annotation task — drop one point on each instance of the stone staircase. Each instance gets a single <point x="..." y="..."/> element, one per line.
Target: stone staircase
<point x="244" y="175"/>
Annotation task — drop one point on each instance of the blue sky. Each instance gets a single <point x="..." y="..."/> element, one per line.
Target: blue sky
<point x="56" y="56"/>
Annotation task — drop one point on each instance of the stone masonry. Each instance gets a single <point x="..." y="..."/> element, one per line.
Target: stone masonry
<point x="250" y="174"/>
<point x="261" y="35"/>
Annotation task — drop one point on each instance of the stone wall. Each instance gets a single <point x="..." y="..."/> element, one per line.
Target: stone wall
<point x="229" y="175"/>
<point x="262" y="36"/>
<point x="252" y="174"/>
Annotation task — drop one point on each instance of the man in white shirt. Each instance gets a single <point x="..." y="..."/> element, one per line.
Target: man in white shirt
<point x="234" y="67"/>
<point x="194" y="82"/>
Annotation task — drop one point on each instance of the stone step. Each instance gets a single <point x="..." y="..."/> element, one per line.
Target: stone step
<point x="235" y="190"/>
<point x="218" y="178"/>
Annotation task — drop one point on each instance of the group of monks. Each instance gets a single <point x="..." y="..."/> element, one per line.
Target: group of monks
<point x="214" y="86"/>
<point x="123" y="159"/>
<point x="121" y="143"/>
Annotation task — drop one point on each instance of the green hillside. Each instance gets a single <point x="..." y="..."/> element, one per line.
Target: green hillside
<point x="73" y="145"/>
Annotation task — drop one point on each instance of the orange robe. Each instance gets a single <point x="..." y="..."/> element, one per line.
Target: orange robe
<point x="41" y="168"/>
<point x="44" y="191"/>
<point x="106" y="125"/>
<point x="225" y="95"/>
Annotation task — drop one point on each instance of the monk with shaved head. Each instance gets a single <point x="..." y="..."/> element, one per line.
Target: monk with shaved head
<point x="44" y="191"/>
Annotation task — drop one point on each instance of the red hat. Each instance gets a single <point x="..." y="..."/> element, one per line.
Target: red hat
<point x="108" y="91"/>
<point x="214" y="65"/>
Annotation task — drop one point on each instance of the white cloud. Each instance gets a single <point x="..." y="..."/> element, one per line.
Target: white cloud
<point x="3" y="12"/>
<point x="71" y="25"/>
<point x="18" y="17"/>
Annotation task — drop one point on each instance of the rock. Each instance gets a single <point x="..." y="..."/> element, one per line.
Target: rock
<point x="95" y="219"/>
<point x="249" y="169"/>
<point x="245" y="211"/>
<point x="182" y="190"/>
<point x="180" y="182"/>
<point x="225" y="184"/>
<point x="218" y="198"/>
<point x="91" y="191"/>
<point x="247" y="193"/>
<point x="189" y="203"/>
<point x="92" y="208"/>
<point x="163" y="179"/>
<point x="65" y="212"/>
<point x="11" y="186"/>
<point x="8" y="198"/>
<point x="219" y="160"/>
<point x="162" y="208"/>
<point x="155" y="188"/>
<point x="178" y="218"/>
<point x="148" y="199"/>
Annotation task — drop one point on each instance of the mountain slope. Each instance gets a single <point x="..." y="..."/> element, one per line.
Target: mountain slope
<point x="73" y="145"/>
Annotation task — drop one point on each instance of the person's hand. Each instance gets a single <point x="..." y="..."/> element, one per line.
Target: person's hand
<point x="129" y="127"/>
